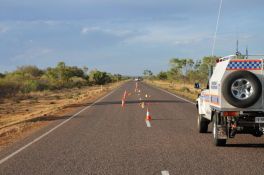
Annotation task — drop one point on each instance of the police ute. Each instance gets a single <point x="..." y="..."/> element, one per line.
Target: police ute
<point x="233" y="100"/>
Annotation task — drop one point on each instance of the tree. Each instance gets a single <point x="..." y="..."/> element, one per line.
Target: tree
<point x="147" y="73"/>
<point x="182" y="66"/>
<point x="2" y="75"/>
<point x="174" y="74"/>
<point x="210" y="60"/>
<point x="162" y="76"/>
<point x="61" y="75"/>
<point x="117" y="77"/>
<point x="197" y="64"/>
<point x="101" y="78"/>
<point x="189" y="65"/>
<point x="29" y="71"/>
<point x="177" y="67"/>
<point x="74" y="71"/>
<point x="207" y="61"/>
<point x="177" y="63"/>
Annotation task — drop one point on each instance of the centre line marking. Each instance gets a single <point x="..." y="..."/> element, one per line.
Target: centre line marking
<point x="148" y="124"/>
<point x="165" y="173"/>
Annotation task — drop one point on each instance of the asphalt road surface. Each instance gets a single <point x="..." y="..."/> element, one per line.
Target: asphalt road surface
<point x="108" y="139"/>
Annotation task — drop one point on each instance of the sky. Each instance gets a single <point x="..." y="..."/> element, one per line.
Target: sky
<point x="124" y="36"/>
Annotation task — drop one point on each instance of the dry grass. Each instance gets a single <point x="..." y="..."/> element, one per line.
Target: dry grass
<point x="185" y="90"/>
<point x="21" y="114"/>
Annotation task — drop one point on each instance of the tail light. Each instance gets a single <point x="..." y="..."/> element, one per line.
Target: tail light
<point x="231" y="113"/>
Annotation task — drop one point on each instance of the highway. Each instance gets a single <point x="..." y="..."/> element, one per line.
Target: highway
<point x="105" y="138"/>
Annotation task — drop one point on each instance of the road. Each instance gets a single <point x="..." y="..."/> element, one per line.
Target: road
<point x="108" y="139"/>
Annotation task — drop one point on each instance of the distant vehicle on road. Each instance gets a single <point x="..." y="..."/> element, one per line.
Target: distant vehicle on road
<point x="234" y="101"/>
<point x="138" y="79"/>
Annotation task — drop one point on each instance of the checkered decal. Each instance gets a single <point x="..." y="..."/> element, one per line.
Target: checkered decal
<point x="245" y="65"/>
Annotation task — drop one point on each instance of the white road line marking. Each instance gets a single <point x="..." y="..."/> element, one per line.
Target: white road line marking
<point x="148" y="124"/>
<point x="53" y="129"/>
<point x="174" y="95"/>
<point x="165" y="173"/>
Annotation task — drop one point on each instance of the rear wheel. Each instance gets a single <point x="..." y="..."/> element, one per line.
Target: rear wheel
<point x="202" y="124"/>
<point x="241" y="89"/>
<point x="217" y="140"/>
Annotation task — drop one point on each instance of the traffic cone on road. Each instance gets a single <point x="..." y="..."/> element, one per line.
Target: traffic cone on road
<point x="123" y="102"/>
<point x="125" y="95"/>
<point x="142" y="105"/>
<point x="148" y="117"/>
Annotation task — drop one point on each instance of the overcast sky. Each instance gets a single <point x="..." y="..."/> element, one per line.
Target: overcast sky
<point x="124" y="36"/>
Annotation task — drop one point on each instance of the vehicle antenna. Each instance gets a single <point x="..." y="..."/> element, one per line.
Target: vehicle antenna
<point x="216" y="28"/>
<point x="237" y="50"/>
<point x="214" y="40"/>
<point x="247" y="52"/>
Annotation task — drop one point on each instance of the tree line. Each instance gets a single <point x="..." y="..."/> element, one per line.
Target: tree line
<point x="186" y="70"/>
<point x="30" y="78"/>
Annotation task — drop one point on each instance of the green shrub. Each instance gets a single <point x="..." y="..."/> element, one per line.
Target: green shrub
<point x="27" y="79"/>
<point x="34" y="85"/>
<point x="100" y="78"/>
<point x="29" y="86"/>
<point x="8" y="88"/>
<point x="78" y="82"/>
<point x="162" y="75"/>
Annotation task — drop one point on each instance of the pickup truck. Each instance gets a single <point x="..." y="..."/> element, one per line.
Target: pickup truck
<point x="233" y="100"/>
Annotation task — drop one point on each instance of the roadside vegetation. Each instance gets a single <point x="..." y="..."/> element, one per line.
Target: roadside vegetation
<point x="30" y="78"/>
<point x="182" y="75"/>
<point x="31" y="97"/>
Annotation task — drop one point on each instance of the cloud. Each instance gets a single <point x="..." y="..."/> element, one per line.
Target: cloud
<point x="149" y="33"/>
<point x="32" y="54"/>
<point x="110" y="31"/>
<point x="86" y="30"/>
<point x="167" y="36"/>
<point x="3" y="29"/>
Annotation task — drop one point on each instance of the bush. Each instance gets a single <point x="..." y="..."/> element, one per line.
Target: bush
<point x="100" y="78"/>
<point x="30" y="78"/>
<point x="29" y="71"/>
<point x="2" y="75"/>
<point x="78" y="82"/>
<point x="8" y="88"/>
<point x="162" y="76"/>
<point x="29" y="86"/>
<point x="63" y="73"/>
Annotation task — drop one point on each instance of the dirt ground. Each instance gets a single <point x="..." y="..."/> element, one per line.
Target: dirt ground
<point x="23" y="114"/>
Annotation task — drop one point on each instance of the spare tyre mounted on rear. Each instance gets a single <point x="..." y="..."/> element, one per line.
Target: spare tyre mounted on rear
<point x="241" y="89"/>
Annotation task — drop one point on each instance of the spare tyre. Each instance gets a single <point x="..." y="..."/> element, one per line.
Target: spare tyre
<point x="241" y="89"/>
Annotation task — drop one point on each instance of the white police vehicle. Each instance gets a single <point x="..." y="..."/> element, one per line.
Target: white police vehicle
<point x="234" y="101"/>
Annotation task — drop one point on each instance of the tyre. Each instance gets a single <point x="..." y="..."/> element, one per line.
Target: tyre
<point x="202" y="124"/>
<point x="241" y="89"/>
<point x="217" y="141"/>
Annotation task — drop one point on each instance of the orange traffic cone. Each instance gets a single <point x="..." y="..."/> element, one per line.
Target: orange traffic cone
<point x="123" y="103"/>
<point x="148" y="117"/>
<point x="142" y="105"/>
<point x="125" y="95"/>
